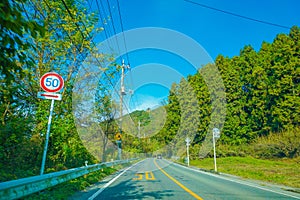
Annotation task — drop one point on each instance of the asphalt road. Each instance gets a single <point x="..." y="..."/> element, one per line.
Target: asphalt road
<point x="161" y="179"/>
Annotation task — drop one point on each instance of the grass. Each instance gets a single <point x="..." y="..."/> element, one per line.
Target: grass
<point x="280" y="171"/>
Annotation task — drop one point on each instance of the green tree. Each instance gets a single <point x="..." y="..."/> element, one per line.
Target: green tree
<point x="16" y="120"/>
<point x="61" y="47"/>
<point x="64" y="46"/>
<point x="106" y="111"/>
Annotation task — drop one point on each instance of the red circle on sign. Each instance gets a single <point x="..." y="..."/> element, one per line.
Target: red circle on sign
<point x="50" y="88"/>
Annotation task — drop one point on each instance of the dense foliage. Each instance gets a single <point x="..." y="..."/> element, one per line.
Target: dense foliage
<point x="38" y="37"/>
<point x="262" y="94"/>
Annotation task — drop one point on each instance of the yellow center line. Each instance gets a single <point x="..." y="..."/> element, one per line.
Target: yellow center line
<point x="178" y="183"/>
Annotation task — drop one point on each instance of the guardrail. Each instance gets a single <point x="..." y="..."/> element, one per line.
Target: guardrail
<point x="19" y="188"/>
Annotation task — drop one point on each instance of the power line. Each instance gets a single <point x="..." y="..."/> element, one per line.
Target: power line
<point x="238" y="15"/>
<point x="101" y="18"/>
<point x="84" y="38"/>
<point x="108" y="78"/>
<point x="106" y="31"/>
<point x="126" y="50"/>
<point x="65" y="5"/>
<point x="113" y="24"/>
<point x="121" y="21"/>
<point x="110" y="14"/>
<point x="114" y="27"/>
<point x="108" y="34"/>
<point x="36" y="9"/>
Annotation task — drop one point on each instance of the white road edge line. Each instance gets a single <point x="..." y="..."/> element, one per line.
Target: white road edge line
<point x="239" y="182"/>
<point x="110" y="182"/>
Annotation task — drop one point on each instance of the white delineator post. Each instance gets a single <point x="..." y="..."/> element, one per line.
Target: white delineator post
<point x="187" y="140"/>
<point x="216" y="134"/>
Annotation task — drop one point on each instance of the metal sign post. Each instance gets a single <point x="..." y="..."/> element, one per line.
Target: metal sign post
<point x="47" y="137"/>
<point x="50" y="82"/>
<point x="187" y="140"/>
<point x="119" y="142"/>
<point x="216" y="134"/>
<point x="118" y="138"/>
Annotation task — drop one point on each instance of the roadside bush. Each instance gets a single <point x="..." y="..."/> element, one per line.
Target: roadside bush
<point x="278" y="145"/>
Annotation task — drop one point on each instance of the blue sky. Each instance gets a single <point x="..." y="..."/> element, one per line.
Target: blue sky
<point x="217" y="32"/>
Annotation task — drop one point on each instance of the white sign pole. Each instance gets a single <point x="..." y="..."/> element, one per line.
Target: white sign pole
<point x="188" y="156"/>
<point x="216" y="134"/>
<point x="187" y="140"/>
<point x="215" y="158"/>
<point x="47" y="137"/>
<point x="50" y="82"/>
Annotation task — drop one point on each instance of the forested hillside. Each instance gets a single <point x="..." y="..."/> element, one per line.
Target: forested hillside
<point x="262" y="94"/>
<point x="262" y="100"/>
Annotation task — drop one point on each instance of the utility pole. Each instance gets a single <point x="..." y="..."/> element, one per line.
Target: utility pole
<point x="122" y="93"/>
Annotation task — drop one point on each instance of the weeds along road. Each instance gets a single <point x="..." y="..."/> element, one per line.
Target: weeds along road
<point x="160" y="179"/>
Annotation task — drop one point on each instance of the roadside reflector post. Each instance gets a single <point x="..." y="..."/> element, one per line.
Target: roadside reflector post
<point x="216" y="134"/>
<point x="188" y="140"/>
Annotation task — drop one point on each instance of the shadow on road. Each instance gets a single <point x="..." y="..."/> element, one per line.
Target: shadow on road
<point x="136" y="190"/>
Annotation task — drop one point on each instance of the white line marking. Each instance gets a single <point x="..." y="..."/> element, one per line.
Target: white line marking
<point x="235" y="181"/>
<point x="110" y="182"/>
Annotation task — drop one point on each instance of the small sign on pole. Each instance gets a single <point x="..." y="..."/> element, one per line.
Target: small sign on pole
<point x="216" y="133"/>
<point x="49" y="95"/>
<point x="50" y="82"/>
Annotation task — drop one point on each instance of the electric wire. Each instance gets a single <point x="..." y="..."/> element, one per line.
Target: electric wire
<point x="108" y="78"/>
<point x="80" y="51"/>
<point x="110" y="34"/>
<point x="122" y="28"/>
<point x="107" y="20"/>
<point x="101" y="19"/>
<point x="38" y="10"/>
<point x="70" y="14"/>
<point x="126" y="50"/>
<point x="237" y="15"/>
<point x="113" y="25"/>
<point x="107" y="30"/>
<point x="114" y="29"/>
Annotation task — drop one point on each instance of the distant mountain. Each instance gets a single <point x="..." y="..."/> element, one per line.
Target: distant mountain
<point x="151" y="122"/>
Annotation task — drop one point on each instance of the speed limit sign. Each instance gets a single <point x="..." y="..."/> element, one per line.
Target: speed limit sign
<point x="51" y="82"/>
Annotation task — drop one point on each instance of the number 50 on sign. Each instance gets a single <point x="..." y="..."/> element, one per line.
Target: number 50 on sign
<point x="51" y="82"/>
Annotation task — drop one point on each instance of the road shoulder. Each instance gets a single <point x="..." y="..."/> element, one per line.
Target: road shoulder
<point x="280" y="189"/>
